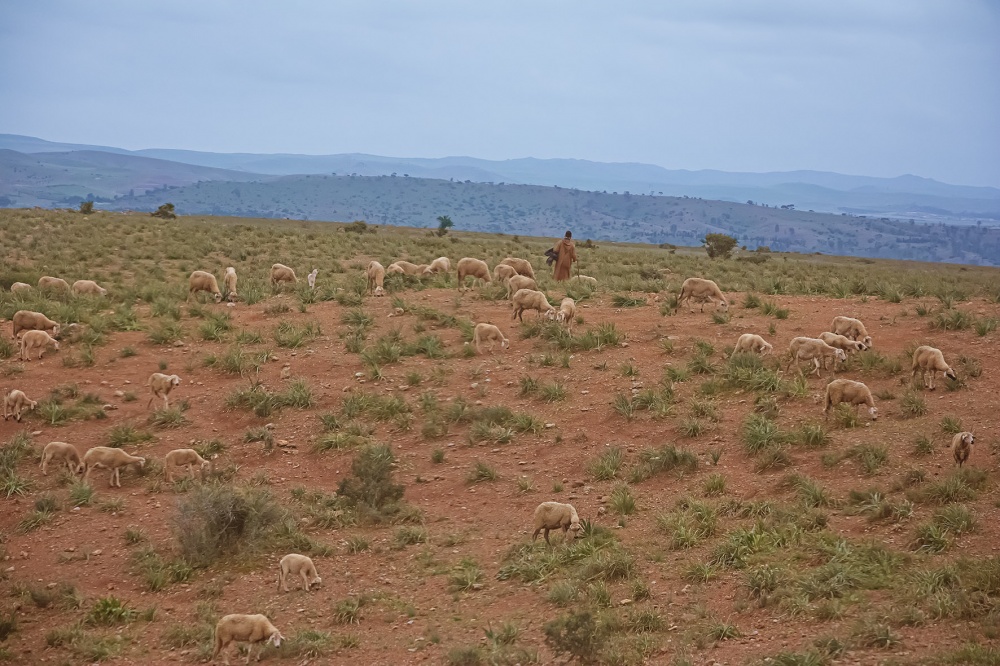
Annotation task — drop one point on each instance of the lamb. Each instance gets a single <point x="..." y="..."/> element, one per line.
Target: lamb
<point x="439" y="265"/>
<point x="184" y="458"/>
<point x="566" y="312"/>
<point x="311" y="278"/>
<point x="843" y="342"/>
<point x="32" y="340"/>
<point x="503" y="272"/>
<point x="48" y="283"/>
<point x="701" y="290"/>
<point x="203" y="281"/>
<point x="585" y="279"/>
<point x="474" y="268"/>
<point x="930" y="359"/>
<point x="555" y="515"/>
<point x="19" y="287"/>
<point x="229" y="282"/>
<point x="282" y="273"/>
<point x="109" y="458"/>
<point x="376" y="278"/>
<point x="851" y="392"/>
<point x="750" y="342"/>
<point x="61" y="452"/>
<point x="161" y="385"/>
<point x="88" y="288"/>
<point x="16" y="401"/>
<point x="522" y="266"/>
<point x="26" y="320"/>
<point x="489" y="333"/>
<point x="406" y="268"/>
<point x="528" y="299"/>
<point x="297" y="565"/>
<point x="247" y="629"/>
<point x="519" y="282"/>
<point x="961" y="446"/>
<point x="815" y="350"/>
<point x="851" y="328"/>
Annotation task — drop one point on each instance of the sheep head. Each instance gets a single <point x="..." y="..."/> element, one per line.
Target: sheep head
<point x="275" y="638"/>
<point x="575" y="527"/>
<point x="968" y="439"/>
<point x="867" y="341"/>
<point x="873" y="412"/>
<point x="505" y="344"/>
<point x="950" y="374"/>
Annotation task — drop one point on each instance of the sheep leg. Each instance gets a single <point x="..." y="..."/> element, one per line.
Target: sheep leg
<point x="86" y="474"/>
<point x="305" y="579"/>
<point x="816" y="368"/>
<point x="547" y="536"/>
<point x="45" y="464"/>
<point x="931" y="387"/>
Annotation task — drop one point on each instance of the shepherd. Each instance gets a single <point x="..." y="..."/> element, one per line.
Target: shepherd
<point x="565" y="253"/>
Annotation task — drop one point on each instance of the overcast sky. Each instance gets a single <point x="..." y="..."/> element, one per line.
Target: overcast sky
<point x="878" y="88"/>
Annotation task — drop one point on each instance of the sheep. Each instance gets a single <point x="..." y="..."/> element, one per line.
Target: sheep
<point x="815" y="350"/>
<point x="16" y="401"/>
<point x="851" y="328"/>
<point x="26" y="320"/>
<point x="161" y="385"/>
<point x="229" y="282"/>
<point x="297" y="565"/>
<point x="311" y="278"/>
<point x="32" y="340"/>
<point x="248" y="629"/>
<point x="961" y="446"/>
<point x="474" y="268"/>
<point x="519" y="282"/>
<point x="585" y="279"/>
<point x="503" y="272"/>
<point x="282" y="273"/>
<point x="48" y="283"/>
<point x="750" y="342"/>
<point x="556" y="515"/>
<point x="701" y="290"/>
<point x="489" y="333"/>
<point x="439" y="265"/>
<point x="406" y="268"/>
<point x="184" y="458"/>
<point x="528" y="299"/>
<point x="566" y="312"/>
<point x="109" y="458"/>
<point x="376" y="278"/>
<point x="930" y="359"/>
<point x="88" y="288"/>
<point x="204" y="281"/>
<point x="522" y="266"/>
<point x="851" y="392"/>
<point x="843" y="342"/>
<point x="61" y="452"/>
<point x="19" y="287"/>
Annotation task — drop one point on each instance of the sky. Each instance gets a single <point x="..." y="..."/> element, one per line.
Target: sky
<point x="853" y="86"/>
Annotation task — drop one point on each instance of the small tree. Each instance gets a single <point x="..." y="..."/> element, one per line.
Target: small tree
<point x="166" y="211"/>
<point x="444" y="224"/>
<point x="86" y="207"/>
<point x="719" y="246"/>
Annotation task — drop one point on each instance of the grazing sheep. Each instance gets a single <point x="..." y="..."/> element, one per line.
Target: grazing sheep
<point x="522" y="266"/>
<point x="184" y="458"/>
<point x="26" y="320"/>
<point x="109" y="458"/>
<point x="815" y="350"/>
<point x="566" y="312"/>
<point x="439" y="265"/>
<point x="406" y="268"/>
<point x="282" y="273"/>
<point x="851" y="392"/>
<point x="161" y="385"/>
<point x="61" y="452"/>
<point x="311" y="278"/>
<point x="843" y="342"/>
<point x="16" y="401"/>
<point x="503" y="272"/>
<point x="47" y="283"/>
<point x="851" y="328"/>
<point x="474" y="268"/>
<point x="703" y="291"/>
<point x="245" y="629"/>
<point x="750" y="342"/>
<point x="19" y="287"/>
<point x="961" y="446"/>
<point x="32" y="340"/>
<point x="556" y="515"/>
<point x="489" y="333"/>
<point x="518" y="282"/>
<point x="585" y="279"/>
<point x="297" y="565"/>
<point x="88" y="288"/>
<point x="528" y="299"/>
<point x="203" y="281"/>
<point x="930" y="359"/>
<point x="229" y="282"/>
<point x="376" y="278"/>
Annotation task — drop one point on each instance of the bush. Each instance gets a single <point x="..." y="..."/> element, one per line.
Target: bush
<point x="370" y="487"/>
<point x="719" y="246"/>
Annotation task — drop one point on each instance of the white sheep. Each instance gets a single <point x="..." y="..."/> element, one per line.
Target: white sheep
<point x="27" y="320"/>
<point x="15" y="402"/>
<point x="961" y="446"/>
<point x="439" y="265"/>
<point x="40" y="340"/>
<point x="48" y="283"/>
<point x="311" y="278"/>
<point x="109" y="458"/>
<point x="503" y="272"/>
<point x="184" y="458"/>
<point x="253" y="629"/>
<point x="851" y="392"/>
<point x="297" y="565"/>
<point x="204" y="281"/>
<point x="522" y="266"/>
<point x="843" y="342"/>
<point x="753" y="343"/>
<point x="930" y="359"/>
<point x="161" y="385"/>
<point x="566" y="312"/>
<point x="851" y="328"/>
<point x="61" y="452"/>
<point x="556" y="515"/>
<point x="376" y="278"/>
<point x="489" y="333"/>
<point x="229" y="282"/>
<point x="518" y="282"/>
<point x="815" y="350"/>
<point x="282" y="273"/>
<point x="405" y="268"/>
<point x="474" y="268"/>
<point x="585" y="279"/>
<point x="19" y="287"/>
<point x="88" y="288"/>
<point x="528" y="299"/>
<point x="703" y="291"/>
